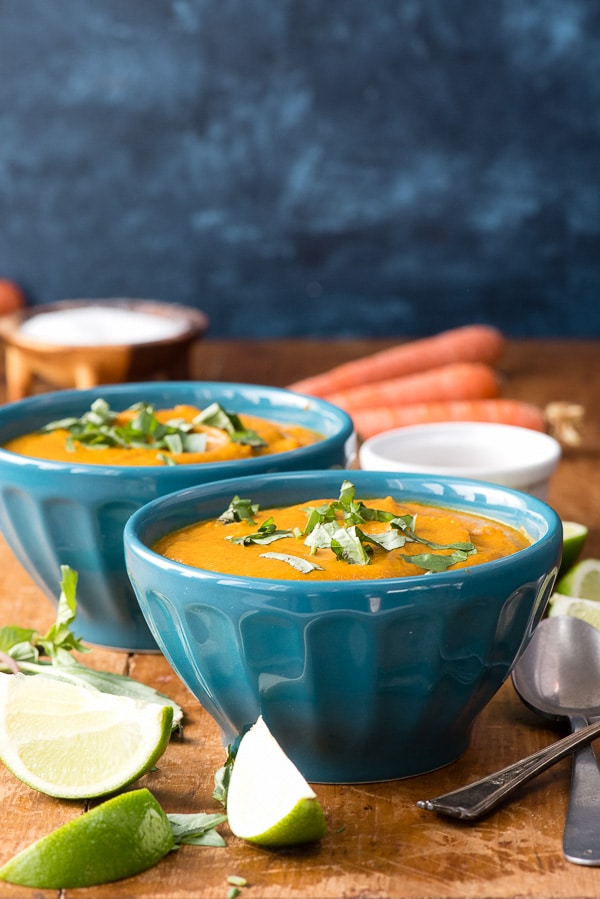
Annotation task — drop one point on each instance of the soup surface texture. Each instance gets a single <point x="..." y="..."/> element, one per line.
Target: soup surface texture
<point x="140" y="435"/>
<point x="343" y="539"/>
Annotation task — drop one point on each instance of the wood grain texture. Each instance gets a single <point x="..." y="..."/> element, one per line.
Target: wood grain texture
<point x="380" y="844"/>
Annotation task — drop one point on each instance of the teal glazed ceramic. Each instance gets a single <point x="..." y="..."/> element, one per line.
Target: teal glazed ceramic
<point x="359" y="681"/>
<point x="55" y="513"/>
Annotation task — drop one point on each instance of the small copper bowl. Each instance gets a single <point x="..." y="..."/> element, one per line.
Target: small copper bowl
<point x="84" y="366"/>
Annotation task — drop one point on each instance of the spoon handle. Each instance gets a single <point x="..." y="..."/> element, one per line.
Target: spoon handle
<point x="480" y="797"/>
<point x="581" y="837"/>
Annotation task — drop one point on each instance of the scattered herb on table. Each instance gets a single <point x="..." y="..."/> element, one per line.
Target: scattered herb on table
<point x="235" y="884"/>
<point x="197" y="829"/>
<point x="25" y="650"/>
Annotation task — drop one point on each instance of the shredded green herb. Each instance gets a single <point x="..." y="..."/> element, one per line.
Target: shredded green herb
<point x="23" y="650"/>
<point x="267" y="533"/>
<point x="336" y="526"/>
<point x="297" y="562"/>
<point x="215" y="416"/>
<point x="197" y="829"/>
<point x="239" y="510"/>
<point x="98" y="429"/>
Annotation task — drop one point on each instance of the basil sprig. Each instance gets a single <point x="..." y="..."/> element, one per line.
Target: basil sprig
<point x="24" y="650"/>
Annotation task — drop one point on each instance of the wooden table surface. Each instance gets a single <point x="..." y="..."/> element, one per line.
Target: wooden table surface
<point x="379" y="843"/>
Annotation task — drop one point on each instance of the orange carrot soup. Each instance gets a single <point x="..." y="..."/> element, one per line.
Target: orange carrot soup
<point x="140" y="435"/>
<point x="341" y="539"/>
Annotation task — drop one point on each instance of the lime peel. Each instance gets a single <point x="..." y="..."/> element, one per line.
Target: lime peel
<point x="574" y="538"/>
<point x="582" y="581"/>
<point x="587" y="610"/>
<point x="119" y="838"/>
<point x="269" y="803"/>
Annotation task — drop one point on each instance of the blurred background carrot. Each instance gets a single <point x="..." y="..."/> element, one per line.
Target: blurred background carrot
<point x="455" y="381"/>
<point x="468" y="343"/>
<point x="505" y="411"/>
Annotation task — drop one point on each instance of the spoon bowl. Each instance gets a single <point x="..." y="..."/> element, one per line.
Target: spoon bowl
<point x="558" y="676"/>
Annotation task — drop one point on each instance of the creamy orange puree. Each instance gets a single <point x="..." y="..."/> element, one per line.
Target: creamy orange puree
<point x="205" y="544"/>
<point x="53" y="445"/>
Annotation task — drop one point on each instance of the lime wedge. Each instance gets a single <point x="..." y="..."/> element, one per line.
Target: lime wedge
<point x="586" y="609"/>
<point x="582" y="580"/>
<point x="269" y="802"/>
<point x="117" y="839"/>
<point x="74" y="741"/>
<point x="574" y="537"/>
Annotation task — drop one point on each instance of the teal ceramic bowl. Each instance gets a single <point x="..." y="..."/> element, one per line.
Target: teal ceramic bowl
<point x="55" y="513"/>
<point x="358" y="680"/>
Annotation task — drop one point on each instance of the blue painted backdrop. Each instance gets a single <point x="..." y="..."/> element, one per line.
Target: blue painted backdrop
<point x="307" y="167"/>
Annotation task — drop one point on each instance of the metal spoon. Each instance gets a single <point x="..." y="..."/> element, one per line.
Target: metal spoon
<point x="559" y="677"/>
<point x="544" y="664"/>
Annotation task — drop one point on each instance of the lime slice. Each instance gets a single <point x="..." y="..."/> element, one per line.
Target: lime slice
<point x="582" y="580"/>
<point x="119" y="838"/>
<point x="269" y="802"/>
<point x="74" y="741"/>
<point x="586" y="609"/>
<point x="574" y="537"/>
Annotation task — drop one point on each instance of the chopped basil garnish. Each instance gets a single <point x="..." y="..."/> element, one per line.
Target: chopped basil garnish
<point x="97" y="429"/>
<point x="321" y="535"/>
<point x="267" y="533"/>
<point x="239" y="510"/>
<point x="348" y="546"/>
<point x="334" y="526"/>
<point x="297" y="562"/>
<point x="215" y="416"/>
<point x="351" y="511"/>
<point x="435" y="562"/>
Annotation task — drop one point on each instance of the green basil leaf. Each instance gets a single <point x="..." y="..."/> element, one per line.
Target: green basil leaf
<point x="197" y="829"/>
<point x="215" y="416"/>
<point x="12" y="636"/>
<point x="305" y="566"/>
<point x="435" y="562"/>
<point x="24" y="652"/>
<point x="387" y="540"/>
<point x="267" y="533"/>
<point x="194" y="443"/>
<point x="239" y="510"/>
<point x="321" y="536"/>
<point x="59" y="636"/>
<point x="349" y="547"/>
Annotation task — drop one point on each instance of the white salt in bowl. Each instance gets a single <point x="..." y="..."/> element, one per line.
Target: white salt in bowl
<point x="83" y="343"/>
<point x="515" y="457"/>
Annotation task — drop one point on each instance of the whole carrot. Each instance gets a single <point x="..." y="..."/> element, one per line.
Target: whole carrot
<point x="455" y="381"/>
<point x="469" y="343"/>
<point x="505" y="411"/>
